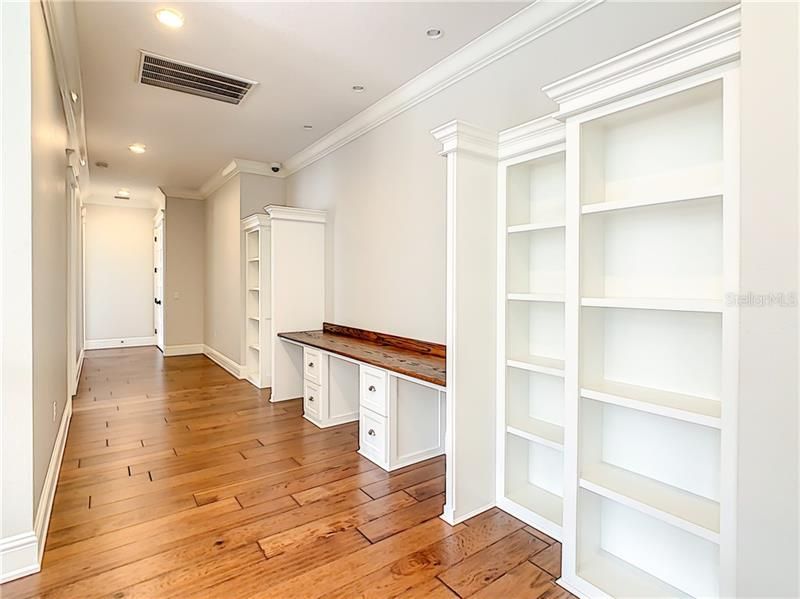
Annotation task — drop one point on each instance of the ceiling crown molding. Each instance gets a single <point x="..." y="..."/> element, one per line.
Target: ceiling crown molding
<point x="465" y="137"/>
<point x="704" y="45"/>
<point x="233" y="168"/>
<point x="181" y="193"/>
<point x="520" y="29"/>
<point x="531" y="136"/>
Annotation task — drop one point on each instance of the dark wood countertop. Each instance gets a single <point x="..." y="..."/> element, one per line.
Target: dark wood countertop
<point x="416" y="359"/>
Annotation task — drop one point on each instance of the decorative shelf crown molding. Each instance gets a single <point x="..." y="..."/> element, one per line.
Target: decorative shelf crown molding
<point x="518" y="30"/>
<point x="534" y="135"/>
<point x="233" y="168"/>
<point x="704" y="45"/>
<point x="255" y="220"/>
<point x="458" y="136"/>
<point x="299" y="214"/>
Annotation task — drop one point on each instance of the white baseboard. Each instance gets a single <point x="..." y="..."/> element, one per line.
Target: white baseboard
<point x="120" y="342"/>
<point x="19" y="556"/>
<point x="224" y="361"/>
<point x="184" y="350"/>
<point x="42" y="522"/>
<point x="78" y="371"/>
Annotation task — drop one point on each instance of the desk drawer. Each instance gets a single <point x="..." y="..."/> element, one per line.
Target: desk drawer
<point x="373" y="389"/>
<point x="373" y="436"/>
<point x="312" y="365"/>
<point x="311" y="399"/>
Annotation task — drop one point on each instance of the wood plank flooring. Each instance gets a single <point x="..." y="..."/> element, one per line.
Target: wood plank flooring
<point x="180" y="481"/>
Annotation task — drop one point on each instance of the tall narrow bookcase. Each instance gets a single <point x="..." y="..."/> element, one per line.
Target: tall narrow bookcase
<point x="530" y="314"/>
<point x="283" y="289"/>
<point x="650" y="342"/>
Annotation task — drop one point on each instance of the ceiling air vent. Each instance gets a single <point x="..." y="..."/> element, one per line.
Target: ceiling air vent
<point x="191" y="79"/>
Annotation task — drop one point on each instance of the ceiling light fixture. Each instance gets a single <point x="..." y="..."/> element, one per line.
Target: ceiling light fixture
<point x="74" y="96"/>
<point x="358" y="88"/>
<point x="137" y="148"/>
<point x="123" y="194"/>
<point x="170" y="18"/>
<point x="434" y="34"/>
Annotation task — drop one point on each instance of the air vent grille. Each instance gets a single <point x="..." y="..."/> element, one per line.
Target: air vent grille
<point x="191" y="79"/>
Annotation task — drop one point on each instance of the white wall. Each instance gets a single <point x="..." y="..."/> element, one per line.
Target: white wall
<point x="119" y="272"/>
<point x="385" y="191"/>
<point x="768" y="554"/>
<point x="50" y="218"/>
<point x="258" y="191"/>
<point x="222" y="318"/>
<point x="16" y="301"/>
<point x="184" y="271"/>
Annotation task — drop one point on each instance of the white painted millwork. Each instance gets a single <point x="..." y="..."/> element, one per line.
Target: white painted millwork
<point x="401" y="419"/>
<point x="617" y="352"/>
<point x="530" y="323"/>
<point x="470" y="442"/>
<point x="283" y="289"/>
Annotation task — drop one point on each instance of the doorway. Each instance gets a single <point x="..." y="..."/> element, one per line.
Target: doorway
<point x="158" y="279"/>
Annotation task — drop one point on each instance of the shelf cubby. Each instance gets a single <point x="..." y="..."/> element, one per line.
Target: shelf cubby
<point x="535" y="333"/>
<point x="665" y="149"/>
<point x="535" y="193"/>
<point x="535" y="406"/>
<point x="658" y="350"/>
<point x="534" y="478"/>
<point x="628" y="553"/>
<point x="667" y="255"/>
<point x="535" y="262"/>
<point x="670" y="466"/>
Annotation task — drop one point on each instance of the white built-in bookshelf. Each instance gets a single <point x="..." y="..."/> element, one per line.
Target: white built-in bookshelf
<point x="531" y="252"/>
<point x="283" y="290"/>
<point x="617" y="349"/>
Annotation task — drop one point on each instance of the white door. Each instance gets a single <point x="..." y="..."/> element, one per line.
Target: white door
<point x="158" y="282"/>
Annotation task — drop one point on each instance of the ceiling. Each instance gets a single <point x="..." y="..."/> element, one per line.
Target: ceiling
<point x="305" y="56"/>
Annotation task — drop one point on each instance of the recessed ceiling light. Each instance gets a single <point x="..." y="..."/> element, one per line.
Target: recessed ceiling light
<point x="358" y="88"/>
<point x="307" y="127"/>
<point x="170" y="18"/>
<point x="123" y="194"/>
<point x="74" y="96"/>
<point x="137" y="148"/>
<point x="434" y="33"/>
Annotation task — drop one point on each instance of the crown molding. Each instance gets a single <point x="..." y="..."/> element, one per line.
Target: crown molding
<point x="534" y="135"/>
<point x="299" y="214"/>
<point x="701" y="46"/>
<point x="233" y="168"/>
<point x="181" y="193"/>
<point x="518" y="30"/>
<point x="459" y="136"/>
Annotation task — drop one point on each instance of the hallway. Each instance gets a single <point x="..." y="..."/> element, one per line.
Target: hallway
<point x="180" y="481"/>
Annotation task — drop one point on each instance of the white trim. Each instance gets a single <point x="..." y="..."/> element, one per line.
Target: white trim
<point x="19" y="556"/>
<point x="535" y="135"/>
<point x="518" y="30"/>
<point x="466" y="137"/>
<point x="701" y="46"/>
<point x="224" y="361"/>
<point x="78" y="371"/>
<point x="305" y="215"/>
<point x="233" y="168"/>
<point x="184" y="350"/>
<point x="120" y="342"/>
<point x="42" y="522"/>
<point x="449" y="515"/>
<point x="181" y="193"/>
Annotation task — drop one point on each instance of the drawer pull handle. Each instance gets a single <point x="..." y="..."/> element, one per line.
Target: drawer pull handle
<point x="311" y="364"/>
<point x="310" y="398"/>
<point x="371" y="432"/>
<point x="372" y="388"/>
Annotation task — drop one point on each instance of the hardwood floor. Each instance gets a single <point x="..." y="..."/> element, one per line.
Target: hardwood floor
<point x="180" y="481"/>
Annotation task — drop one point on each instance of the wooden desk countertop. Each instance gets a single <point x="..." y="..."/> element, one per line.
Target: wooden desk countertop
<point x="416" y="359"/>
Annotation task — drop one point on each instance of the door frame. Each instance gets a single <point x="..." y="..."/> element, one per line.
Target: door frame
<point x="159" y="327"/>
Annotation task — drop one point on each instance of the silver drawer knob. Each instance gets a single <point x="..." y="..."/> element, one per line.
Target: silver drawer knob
<point x="371" y="432"/>
<point x="372" y="388"/>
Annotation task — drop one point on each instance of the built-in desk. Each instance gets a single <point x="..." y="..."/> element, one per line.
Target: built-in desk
<point x="394" y="387"/>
